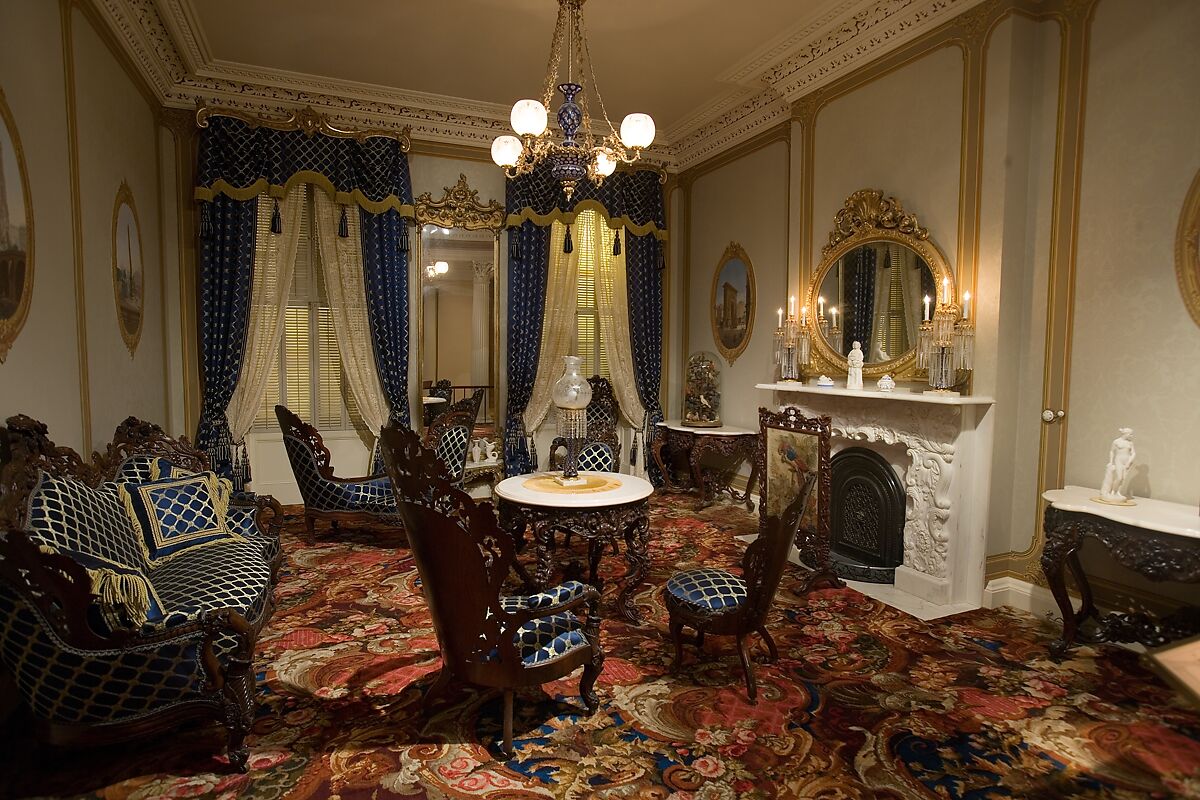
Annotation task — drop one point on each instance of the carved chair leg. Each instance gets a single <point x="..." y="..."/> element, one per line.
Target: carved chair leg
<point x="591" y="671"/>
<point x="333" y="525"/>
<point x="677" y="637"/>
<point x="438" y="690"/>
<point x="239" y="711"/>
<point x="310" y="527"/>
<point x="766" y="637"/>
<point x="748" y="668"/>
<point x="508" y="722"/>
<point x="595" y="551"/>
<point x="699" y="639"/>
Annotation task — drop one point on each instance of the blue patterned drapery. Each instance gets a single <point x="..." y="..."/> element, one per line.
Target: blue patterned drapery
<point x="529" y="259"/>
<point x="243" y="160"/>
<point x="385" y="267"/>
<point x="859" y="317"/>
<point x="643" y="267"/>
<point x="226" y="264"/>
<point x="631" y="199"/>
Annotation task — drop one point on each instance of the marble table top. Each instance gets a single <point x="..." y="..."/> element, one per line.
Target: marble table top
<point x="622" y="489"/>
<point x="724" y="430"/>
<point x="1180" y="519"/>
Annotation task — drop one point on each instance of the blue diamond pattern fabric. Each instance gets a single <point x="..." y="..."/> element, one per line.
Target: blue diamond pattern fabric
<point x="173" y="515"/>
<point x="708" y="589"/>
<point x="643" y="269"/>
<point x="563" y="593"/>
<point x="242" y="520"/>
<point x="545" y="639"/>
<point x="385" y="273"/>
<point x="321" y="494"/>
<point x="529" y="260"/>
<point x="452" y="446"/>
<point x="71" y="516"/>
<point x="140" y="468"/>
<point x="634" y="195"/>
<point x="596" y="457"/>
<point x="228" y="574"/>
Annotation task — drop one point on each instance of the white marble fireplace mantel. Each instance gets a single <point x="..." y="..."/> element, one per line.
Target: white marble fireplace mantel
<point x="948" y="441"/>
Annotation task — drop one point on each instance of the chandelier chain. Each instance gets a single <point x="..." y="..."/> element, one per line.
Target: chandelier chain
<point x="552" y="66"/>
<point x="591" y="67"/>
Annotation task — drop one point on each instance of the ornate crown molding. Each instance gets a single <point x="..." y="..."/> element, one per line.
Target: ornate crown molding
<point x="307" y="120"/>
<point x="869" y="209"/>
<point x="164" y="40"/>
<point x="459" y="207"/>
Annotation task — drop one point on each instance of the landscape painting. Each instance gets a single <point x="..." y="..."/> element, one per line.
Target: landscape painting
<point x="128" y="272"/>
<point x="733" y="302"/>
<point x="16" y="260"/>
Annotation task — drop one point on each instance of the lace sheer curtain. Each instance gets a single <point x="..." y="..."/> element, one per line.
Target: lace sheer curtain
<point x="612" y="303"/>
<point x="559" y="330"/>
<point x="345" y="286"/>
<point x="271" y="286"/>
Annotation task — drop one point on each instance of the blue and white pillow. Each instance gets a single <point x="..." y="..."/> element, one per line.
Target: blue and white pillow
<point x="177" y="514"/>
<point x="123" y="598"/>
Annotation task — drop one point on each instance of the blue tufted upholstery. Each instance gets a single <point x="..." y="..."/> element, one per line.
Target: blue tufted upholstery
<point x="452" y="446"/>
<point x="373" y="495"/>
<point x="708" y="589"/>
<point x="563" y="593"/>
<point x="547" y="638"/>
<point x="596" y="457"/>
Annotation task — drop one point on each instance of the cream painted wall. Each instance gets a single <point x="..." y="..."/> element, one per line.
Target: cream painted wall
<point x="117" y="142"/>
<point x="1135" y="349"/>
<point x="1021" y="94"/>
<point x="116" y="134"/>
<point x="40" y="376"/>
<point x="744" y="201"/>
<point x="901" y="133"/>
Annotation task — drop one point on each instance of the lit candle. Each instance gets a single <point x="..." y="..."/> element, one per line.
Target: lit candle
<point x="927" y="308"/>
<point x="966" y="305"/>
<point x="792" y="306"/>
<point x="781" y="317"/>
<point x="803" y="315"/>
<point x="945" y="290"/>
<point x="820" y="307"/>
<point x="833" y="313"/>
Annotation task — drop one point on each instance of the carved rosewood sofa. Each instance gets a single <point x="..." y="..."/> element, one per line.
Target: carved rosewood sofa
<point x="102" y="639"/>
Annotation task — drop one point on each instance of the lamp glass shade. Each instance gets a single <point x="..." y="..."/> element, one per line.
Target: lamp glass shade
<point x="506" y="151"/>
<point x="571" y="391"/>
<point x="605" y="163"/>
<point x="528" y="118"/>
<point x="441" y="267"/>
<point x="637" y="130"/>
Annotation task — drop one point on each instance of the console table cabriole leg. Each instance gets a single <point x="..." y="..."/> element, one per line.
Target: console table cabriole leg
<point x="656" y="450"/>
<point x="1061" y="543"/>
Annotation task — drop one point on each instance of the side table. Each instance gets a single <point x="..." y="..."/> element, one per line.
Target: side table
<point x="705" y="460"/>
<point x="1157" y="539"/>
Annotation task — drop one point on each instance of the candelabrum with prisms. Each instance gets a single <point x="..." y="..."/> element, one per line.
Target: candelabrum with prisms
<point x="793" y="345"/>
<point x="946" y="341"/>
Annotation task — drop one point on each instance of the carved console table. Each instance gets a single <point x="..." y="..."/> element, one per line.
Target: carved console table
<point x="941" y="444"/>
<point x="1157" y="539"/>
<point x="705" y="460"/>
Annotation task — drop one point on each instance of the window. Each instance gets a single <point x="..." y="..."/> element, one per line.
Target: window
<point x="589" y="345"/>
<point x="307" y="377"/>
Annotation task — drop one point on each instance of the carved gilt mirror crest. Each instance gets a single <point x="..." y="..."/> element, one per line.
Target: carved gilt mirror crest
<point x="875" y="272"/>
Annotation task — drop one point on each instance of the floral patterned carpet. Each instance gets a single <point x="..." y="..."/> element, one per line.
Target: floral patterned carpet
<point x="864" y="701"/>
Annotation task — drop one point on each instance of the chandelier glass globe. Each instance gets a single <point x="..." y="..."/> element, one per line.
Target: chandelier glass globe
<point x="506" y="151"/>
<point x="637" y="130"/>
<point x="528" y="118"/>
<point x="605" y="163"/>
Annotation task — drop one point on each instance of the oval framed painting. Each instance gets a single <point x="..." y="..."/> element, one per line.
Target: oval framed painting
<point x="129" y="274"/>
<point x="733" y="302"/>
<point x="16" y="233"/>
<point x="1187" y="250"/>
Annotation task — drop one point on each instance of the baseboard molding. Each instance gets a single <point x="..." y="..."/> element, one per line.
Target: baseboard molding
<point x="1021" y="595"/>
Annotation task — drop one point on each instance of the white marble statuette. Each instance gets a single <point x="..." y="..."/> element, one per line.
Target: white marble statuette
<point x="886" y="383"/>
<point x="824" y="381"/>
<point x="855" y="365"/>
<point x="476" y="451"/>
<point x="1116" y="475"/>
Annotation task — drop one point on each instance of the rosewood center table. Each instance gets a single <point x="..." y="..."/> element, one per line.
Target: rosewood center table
<point x="608" y="507"/>
<point x="705" y="460"/>
<point x="1157" y="539"/>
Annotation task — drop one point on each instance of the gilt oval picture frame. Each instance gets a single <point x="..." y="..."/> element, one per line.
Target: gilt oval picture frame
<point x="1187" y="250"/>
<point x="16" y="233"/>
<point x="128" y="271"/>
<point x="732" y="305"/>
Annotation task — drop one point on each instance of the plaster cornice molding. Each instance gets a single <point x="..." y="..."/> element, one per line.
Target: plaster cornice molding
<point x="166" y="43"/>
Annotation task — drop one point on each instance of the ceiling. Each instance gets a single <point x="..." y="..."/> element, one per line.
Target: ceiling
<point x="712" y="73"/>
<point x="496" y="51"/>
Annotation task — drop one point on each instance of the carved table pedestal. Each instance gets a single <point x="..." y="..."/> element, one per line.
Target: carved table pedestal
<point x="1157" y="539"/>
<point x="705" y="460"/>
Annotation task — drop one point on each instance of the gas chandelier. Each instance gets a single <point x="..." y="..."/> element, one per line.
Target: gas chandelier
<point x="578" y="155"/>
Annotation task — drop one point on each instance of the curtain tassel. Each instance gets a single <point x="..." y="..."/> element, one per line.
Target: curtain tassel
<point x="276" y="220"/>
<point x="514" y="245"/>
<point x="404" y="235"/>
<point x="616" y="243"/>
<point x="633" y="451"/>
<point x="662" y="258"/>
<point x="568" y="245"/>
<point x="344" y="225"/>
<point x="205" y="219"/>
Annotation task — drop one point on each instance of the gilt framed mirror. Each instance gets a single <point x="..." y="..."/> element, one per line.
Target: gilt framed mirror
<point x="458" y="253"/>
<point x="876" y="270"/>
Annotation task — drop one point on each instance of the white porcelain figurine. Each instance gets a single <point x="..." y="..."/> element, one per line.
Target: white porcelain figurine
<point x="825" y="382"/>
<point x="1120" y="460"/>
<point x="886" y="383"/>
<point x="476" y="451"/>
<point x="489" y="450"/>
<point x="855" y="362"/>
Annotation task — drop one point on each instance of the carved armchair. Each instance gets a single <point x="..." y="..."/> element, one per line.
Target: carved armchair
<point x="102" y="644"/>
<point x="601" y="451"/>
<point x="450" y="437"/>
<point x="444" y="390"/>
<point x="354" y="501"/>
<point x="487" y="639"/>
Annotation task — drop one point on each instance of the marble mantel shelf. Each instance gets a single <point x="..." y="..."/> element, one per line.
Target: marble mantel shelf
<point x="875" y="394"/>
